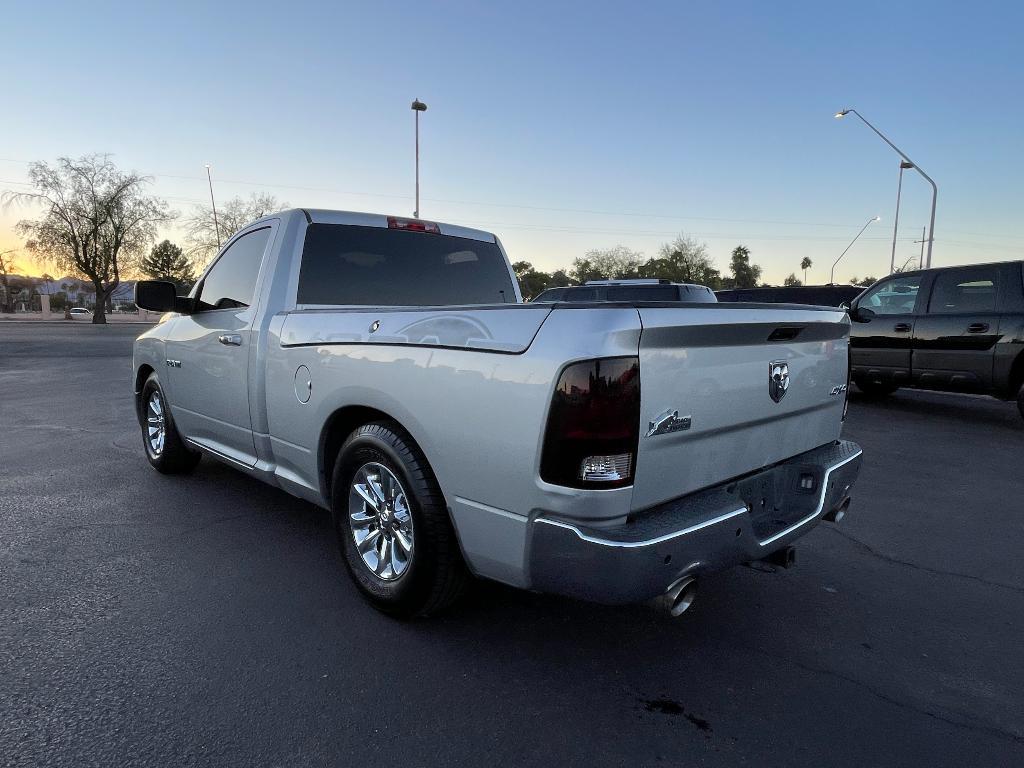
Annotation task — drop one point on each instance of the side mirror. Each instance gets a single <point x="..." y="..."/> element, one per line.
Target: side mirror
<point x="861" y="314"/>
<point x="160" y="296"/>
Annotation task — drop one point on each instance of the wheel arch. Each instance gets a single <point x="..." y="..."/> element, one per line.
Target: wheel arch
<point x="338" y="426"/>
<point x="144" y="372"/>
<point x="141" y="375"/>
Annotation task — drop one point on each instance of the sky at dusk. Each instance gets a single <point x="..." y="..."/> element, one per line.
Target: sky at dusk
<point x="561" y="127"/>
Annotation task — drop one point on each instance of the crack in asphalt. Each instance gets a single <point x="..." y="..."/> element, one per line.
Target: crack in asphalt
<point x="937" y="571"/>
<point x="987" y="729"/>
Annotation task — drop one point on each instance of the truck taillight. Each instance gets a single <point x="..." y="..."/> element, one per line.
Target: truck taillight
<point x="413" y="225"/>
<point x="594" y="425"/>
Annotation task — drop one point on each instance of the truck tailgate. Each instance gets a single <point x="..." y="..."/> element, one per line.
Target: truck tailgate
<point x="712" y="365"/>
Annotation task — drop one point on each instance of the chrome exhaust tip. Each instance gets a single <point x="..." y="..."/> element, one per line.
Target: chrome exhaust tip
<point x="679" y="597"/>
<point x="837" y="514"/>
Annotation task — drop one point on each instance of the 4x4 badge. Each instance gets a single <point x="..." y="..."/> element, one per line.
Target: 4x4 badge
<point x="778" y="379"/>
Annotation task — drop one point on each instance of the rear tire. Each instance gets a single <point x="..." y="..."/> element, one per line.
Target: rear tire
<point x="165" y="449"/>
<point x="875" y="388"/>
<point x="385" y="496"/>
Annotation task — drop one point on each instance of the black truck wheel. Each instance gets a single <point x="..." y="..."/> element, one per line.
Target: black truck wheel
<point x="165" y="449"/>
<point x="393" y="527"/>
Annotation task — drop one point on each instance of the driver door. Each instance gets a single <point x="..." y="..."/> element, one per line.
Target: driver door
<point x="882" y="332"/>
<point x="209" y="352"/>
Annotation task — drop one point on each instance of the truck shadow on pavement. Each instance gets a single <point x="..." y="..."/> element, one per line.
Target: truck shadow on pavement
<point x="810" y="635"/>
<point x="949" y="407"/>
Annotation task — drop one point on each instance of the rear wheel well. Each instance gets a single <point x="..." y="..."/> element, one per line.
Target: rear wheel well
<point x="342" y="423"/>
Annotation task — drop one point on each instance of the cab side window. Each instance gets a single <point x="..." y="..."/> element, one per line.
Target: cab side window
<point x="893" y="297"/>
<point x="231" y="282"/>
<point x="965" y="290"/>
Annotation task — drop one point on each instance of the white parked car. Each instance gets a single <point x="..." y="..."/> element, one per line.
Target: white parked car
<point x="387" y="370"/>
<point x="80" y="313"/>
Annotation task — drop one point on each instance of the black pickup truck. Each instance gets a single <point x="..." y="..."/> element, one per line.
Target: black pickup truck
<point x="958" y="329"/>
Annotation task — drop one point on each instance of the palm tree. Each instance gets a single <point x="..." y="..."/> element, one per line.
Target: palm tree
<point x="805" y="265"/>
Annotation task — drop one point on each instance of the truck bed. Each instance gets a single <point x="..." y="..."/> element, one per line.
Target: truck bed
<point x="707" y="362"/>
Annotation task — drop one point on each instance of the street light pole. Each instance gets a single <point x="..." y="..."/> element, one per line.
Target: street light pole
<point x="216" y="224"/>
<point x="417" y="107"/>
<point x="896" y="220"/>
<point x="832" y="274"/>
<point x="935" y="189"/>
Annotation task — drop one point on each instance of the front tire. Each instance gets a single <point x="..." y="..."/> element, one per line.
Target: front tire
<point x="393" y="527"/>
<point x="165" y="450"/>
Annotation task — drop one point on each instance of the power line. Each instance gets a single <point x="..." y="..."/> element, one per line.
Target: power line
<point x="569" y="230"/>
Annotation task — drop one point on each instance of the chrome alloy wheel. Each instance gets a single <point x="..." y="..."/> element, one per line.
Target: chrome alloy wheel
<point x="378" y="513"/>
<point x="156" y="426"/>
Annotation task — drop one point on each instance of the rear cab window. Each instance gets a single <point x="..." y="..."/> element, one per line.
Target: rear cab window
<point x="346" y="265"/>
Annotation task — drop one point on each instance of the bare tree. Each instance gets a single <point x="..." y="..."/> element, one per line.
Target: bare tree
<point x="96" y="221"/>
<point x="7" y="268"/>
<point x="615" y="263"/>
<point x="684" y="260"/>
<point x="202" y="227"/>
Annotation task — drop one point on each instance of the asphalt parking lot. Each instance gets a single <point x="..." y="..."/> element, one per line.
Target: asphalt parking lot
<point x="207" y="620"/>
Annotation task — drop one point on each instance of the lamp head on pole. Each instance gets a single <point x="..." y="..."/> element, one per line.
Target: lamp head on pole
<point x="418" y="106"/>
<point x="906" y="165"/>
<point x="877" y="218"/>
<point x="842" y="113"/>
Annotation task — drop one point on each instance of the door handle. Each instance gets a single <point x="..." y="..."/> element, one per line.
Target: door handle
<point x="901" y="327"/>
<point x="977" y="327"/>
<point x="231" y="339"/>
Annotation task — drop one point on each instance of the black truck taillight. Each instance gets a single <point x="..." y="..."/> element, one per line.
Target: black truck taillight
<point x="593" y="425"/>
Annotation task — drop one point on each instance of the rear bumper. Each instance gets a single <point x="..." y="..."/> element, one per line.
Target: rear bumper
<point x="738" y="522"/>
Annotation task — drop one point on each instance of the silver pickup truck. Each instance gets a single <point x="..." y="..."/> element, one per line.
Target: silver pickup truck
<point x="387" y="370"/>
